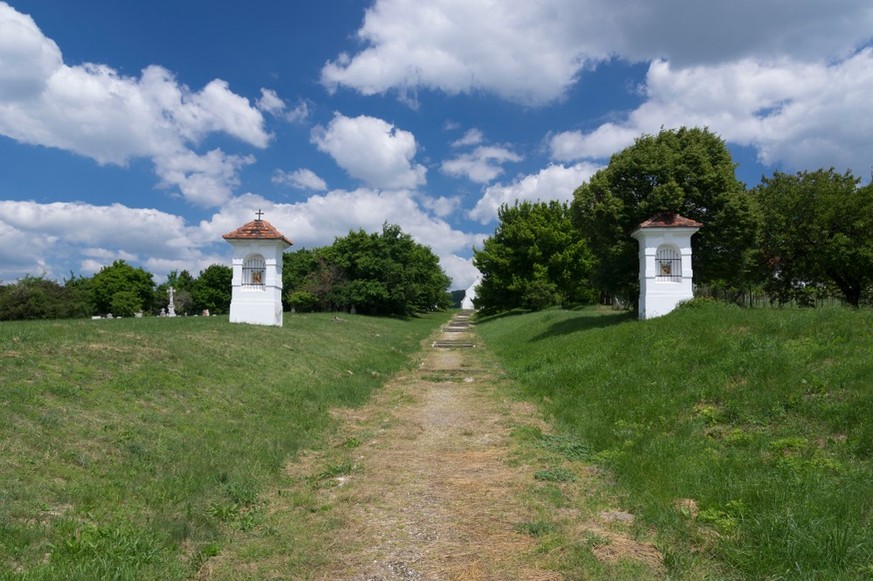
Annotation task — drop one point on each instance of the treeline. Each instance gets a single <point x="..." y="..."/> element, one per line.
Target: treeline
<point x="119" y="289"/>
<point x="799" y="238"/>
<point x="384" y="273"/>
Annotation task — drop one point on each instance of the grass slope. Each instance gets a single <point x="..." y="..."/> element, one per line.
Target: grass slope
<point x="128" y="448"/>
<point x="743" y="434"/>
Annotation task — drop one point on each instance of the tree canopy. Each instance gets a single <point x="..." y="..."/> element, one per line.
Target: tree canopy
<point x="534" y="259"/>
<point x="684" y="171"/>
<point x="212" y="289"/>
<point x="818" y="232"/>
<point x="122" y="289"/>
<point x="381" y="273"/>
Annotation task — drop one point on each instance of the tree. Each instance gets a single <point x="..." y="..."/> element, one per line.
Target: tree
<point x="819" y="232"/>
<point x="684" y="171"/>
<point x="387" y="273"/>
<point x="534" y="259"/>
<point x="212" y="289"/>
<point x="121" y="277"/>
<point x="296" y="267"/>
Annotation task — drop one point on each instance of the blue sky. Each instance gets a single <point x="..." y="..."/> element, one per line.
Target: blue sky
<point x="145" y="131"/>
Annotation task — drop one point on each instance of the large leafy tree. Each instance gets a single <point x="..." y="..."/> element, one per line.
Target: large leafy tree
<point x="819" y="233"/>
<point x="122" y="289"/>
<point x="534" y="259"/>
<point x="381" y="273"/>
<point x="686" y="171"/>
<point x="387" y="273"/>
<point x="212" y="289"/>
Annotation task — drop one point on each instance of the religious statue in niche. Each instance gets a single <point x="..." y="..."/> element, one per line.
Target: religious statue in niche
<point x="257" y="277"/>
<point x="666" y="268"/>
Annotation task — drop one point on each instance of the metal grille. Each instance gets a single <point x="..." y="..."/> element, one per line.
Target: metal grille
<point x="254" y="271"/>
<point x="668" y="263"/>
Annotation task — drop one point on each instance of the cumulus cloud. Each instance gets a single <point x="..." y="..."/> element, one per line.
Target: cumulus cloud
<point x="471" y="137"/>
<point x="63" y="234"/>
<point x="94" y="111"/>
<point x="556" y="182"/>
<point x="371" y="150"/>
<point x="442" y="206"/>
<point x="481" y="165"/>
<point x="531" y="52"/>
<point x="461" y="271"/>
<point x="302" y="179"/>
<point x="793" y="113"/>
<point x="271" y="103"/>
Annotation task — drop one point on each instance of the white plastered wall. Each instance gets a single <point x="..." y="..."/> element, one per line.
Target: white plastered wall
<point x="257" y="304"/>
<point x="660" y="295"/>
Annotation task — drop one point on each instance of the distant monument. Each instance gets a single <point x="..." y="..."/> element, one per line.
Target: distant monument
<point x="171" y="306"/>
<point x="665" y="263"/>
<point x="470" y="295"/>
<point x="256" y="296"/>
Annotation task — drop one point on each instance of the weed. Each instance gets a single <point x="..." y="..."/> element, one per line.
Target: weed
<point x="555" y="475"/>
<point x="335" y="470"/>
<point x="537" y="528"/>
<point x="568" y="446"/>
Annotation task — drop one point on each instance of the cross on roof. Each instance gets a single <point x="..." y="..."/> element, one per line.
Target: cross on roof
<point x="259" y="214"/>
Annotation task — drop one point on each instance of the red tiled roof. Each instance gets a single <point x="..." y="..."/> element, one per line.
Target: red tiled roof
<point x="667" y="220"/>
<point x="257" y="230"/>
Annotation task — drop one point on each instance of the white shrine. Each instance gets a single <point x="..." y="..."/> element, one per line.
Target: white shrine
<point x="470" y="295"/>
<point x="257" y="273"/>
<point x="665" y="263"/>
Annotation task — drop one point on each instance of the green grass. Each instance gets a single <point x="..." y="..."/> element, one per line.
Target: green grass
<point x="762" y="418"/>
<point x="130" y="448"/>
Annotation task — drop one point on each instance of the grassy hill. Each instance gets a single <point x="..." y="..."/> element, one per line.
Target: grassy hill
<point x="746" y="435"/>
<point x="128" y="446"/>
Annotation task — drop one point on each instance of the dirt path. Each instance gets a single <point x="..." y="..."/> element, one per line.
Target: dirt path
<point x="436" y="497"/>
<point x="428" y="482"/>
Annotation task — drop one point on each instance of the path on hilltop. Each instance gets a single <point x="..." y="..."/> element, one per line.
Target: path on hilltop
<point x="437" y="497"/>
<point x="426" y="482"/>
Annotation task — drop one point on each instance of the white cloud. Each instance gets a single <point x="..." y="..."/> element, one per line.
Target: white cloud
<point x="461" y="271"/>
<point x="271" y="103"/>
<point x="63" y="234"/>
<point x="372" y="151"/>
<point x="518" y="50"/>
<point x="481" y="165"/>
<point x="94" y="111"/>
<point x="531" y="52"/>
<point x="556" y="182"/>
<point x="794" y="114"/>
<point x="442" y="206"/>
<point x="471" y="137"/>
<point x="206" y="179"/>
<point x="302" y="179"/>
<point x="27" y="58"/>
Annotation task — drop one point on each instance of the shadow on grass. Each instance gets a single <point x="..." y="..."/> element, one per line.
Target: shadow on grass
<point x="586" y="323"/>
<point x="495" y="317"/>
